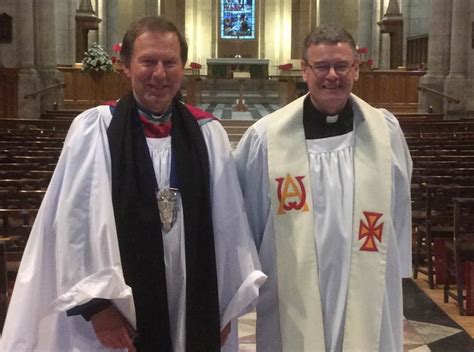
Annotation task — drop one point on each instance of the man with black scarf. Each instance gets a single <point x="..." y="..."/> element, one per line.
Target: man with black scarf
<point x="141" y="242"/>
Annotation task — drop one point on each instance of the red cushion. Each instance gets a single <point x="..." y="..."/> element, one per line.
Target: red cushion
<point x="286" y="67"/>
<point x="195" y="65"/>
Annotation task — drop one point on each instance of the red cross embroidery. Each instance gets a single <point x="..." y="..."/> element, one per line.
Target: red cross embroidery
<point x="369" y="231"/>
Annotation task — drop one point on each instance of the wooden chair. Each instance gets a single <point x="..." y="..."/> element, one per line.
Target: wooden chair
<point x="460" y="251"/>
<point x="4" y="293"/>
<point x="16" y="224"/>
<point x="14" y="232"/>
<point x="418" y="207"/>
<point x="423" y="222"/>
<point x="21" y="199"/>
<point x="24" y="184"/>
<point x="434" y="223"/>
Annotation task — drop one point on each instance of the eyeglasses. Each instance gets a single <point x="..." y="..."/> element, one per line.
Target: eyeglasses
<point x="321" y="69"/>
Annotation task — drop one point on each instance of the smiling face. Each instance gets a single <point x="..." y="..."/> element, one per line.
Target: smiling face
<point x="330" y="90"/>
<point x="155" y="70"/>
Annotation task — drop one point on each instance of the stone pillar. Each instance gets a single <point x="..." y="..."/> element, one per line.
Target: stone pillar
<point x="174" y="10"/>
<point x="198" y="18"/>
<point x="303" y="19"/>
<point x="277" y="31"/>
<point x="142" y="8"/>
<point x="113" y="34"/>
<point x="364" y="30"/>
<point x="456" y="81"/>
<point x="72" y="30"/>
<point x="438" y="56"/>
<point x="151" y="7"/>
<point x="376" y="36"/>
<point x="28" y="80"/>
<point x="392" y="23"/>
<point x="86" y="20"/>
<point x="65" y="13"/>
<point x="339" y="12"/>
<point x="350" y="15"/>
<point x="46" y="56"/>
<point x="330" y="12"/>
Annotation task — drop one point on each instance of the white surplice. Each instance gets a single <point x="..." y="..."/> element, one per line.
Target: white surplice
<point x="332" y="169"/>
<point x="72" y="254"/>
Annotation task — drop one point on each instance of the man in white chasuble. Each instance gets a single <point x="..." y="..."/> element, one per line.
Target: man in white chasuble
<point x="326" y="182"/>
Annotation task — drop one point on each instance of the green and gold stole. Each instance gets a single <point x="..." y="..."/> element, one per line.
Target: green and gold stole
<point x="301" y="323"/>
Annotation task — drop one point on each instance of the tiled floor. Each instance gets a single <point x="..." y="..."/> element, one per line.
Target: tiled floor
<point x="427" y="327"/>
<point x="225" y="111"/>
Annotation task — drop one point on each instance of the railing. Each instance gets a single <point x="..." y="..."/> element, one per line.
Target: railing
<point x="42" y="90"/>
<point x="394" y="90"/>
<point x="441" y="94"/>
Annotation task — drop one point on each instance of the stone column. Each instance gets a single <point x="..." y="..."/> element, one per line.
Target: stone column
<point x="46" y="56"/>
<point x="303" y="20"/>
<point x="392" y="23"/>
<point x="113" y="34"/>
<point x="72" y="30"/>
<point x="174" y="10"/>
<point x="438" y="56"/>
<point x="86" y="20"/>
<point x="456" y="81"/>
<point x="151" y="8"/>
<point x="364" y="30"/>
<point x="470" y="74"/>
<point x="65" y="40"/>
<point x="28" y="80"/>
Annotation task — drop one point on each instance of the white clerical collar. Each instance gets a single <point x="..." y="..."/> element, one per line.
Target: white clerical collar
<point x="332" y="118"/>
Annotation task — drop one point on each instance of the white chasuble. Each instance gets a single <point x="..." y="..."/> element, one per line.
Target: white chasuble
<point x="300" y="304"/>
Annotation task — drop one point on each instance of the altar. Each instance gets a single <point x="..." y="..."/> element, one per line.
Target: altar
<point x="225" y="67"/>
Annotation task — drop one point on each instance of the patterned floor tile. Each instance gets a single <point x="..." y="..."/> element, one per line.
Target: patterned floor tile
<point x="419" y="336"/>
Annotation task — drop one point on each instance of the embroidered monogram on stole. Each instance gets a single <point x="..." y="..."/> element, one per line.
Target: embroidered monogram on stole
<point x="291" y="194"/>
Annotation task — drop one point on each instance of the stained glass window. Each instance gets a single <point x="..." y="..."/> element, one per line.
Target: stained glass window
<point x="237" y="19"/>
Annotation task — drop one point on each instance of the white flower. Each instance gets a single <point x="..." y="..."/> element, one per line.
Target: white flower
<point x="96" y="59"/>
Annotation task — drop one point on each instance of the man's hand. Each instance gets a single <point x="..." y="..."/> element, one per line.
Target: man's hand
<point x="225" y="334"/>
<point x="112" y="329"/>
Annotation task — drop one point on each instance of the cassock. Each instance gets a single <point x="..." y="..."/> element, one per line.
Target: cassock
<point x="73" y="255"/>
<point x="332" y="183"/>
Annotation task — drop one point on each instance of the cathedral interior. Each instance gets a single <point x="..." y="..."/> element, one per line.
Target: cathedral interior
<point x="416" y="60"/>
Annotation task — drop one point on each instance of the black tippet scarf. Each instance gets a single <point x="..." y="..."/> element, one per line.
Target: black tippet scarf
<point x="139" y="229"/>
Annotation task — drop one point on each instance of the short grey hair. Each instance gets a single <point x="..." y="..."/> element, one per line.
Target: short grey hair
<point x="328" y="34"/>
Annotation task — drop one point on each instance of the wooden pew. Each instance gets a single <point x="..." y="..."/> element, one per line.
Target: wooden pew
<point x="433" y="222"/>
<point x="24" y="184"/>
<point x="460" y="256"/>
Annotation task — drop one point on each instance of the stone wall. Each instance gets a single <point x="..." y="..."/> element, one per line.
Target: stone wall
<point x="8" y="57"/>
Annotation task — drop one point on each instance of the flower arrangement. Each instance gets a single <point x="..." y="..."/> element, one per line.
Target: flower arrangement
<point x="117" y="47"/>
<point x="96" y="59"/>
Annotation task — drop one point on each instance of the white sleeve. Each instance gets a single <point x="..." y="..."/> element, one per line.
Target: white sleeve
<point x="238" y="266"/>
<point x="401" y="205"/>
<point x="251" y="161"/>
<point x="72" y="253"/>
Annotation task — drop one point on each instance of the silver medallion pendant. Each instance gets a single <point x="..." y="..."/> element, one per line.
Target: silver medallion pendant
<point x="168" y="206"/>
